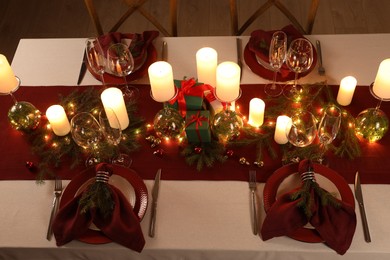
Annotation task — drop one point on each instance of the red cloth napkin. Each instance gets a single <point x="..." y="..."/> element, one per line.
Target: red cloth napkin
<point x="336" y="225"/>
<point x="259" y="43"/>
<point x="123" y="226"/>
<point x="138" y="46"/>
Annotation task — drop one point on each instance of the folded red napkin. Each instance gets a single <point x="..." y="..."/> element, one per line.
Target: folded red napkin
<point x="259" y="43"/>
<point x="138" y="46"/>
<point x="121" y="226"/>
<point x="335" y="223"/>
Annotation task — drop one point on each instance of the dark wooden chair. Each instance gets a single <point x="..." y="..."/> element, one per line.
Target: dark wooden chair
<point x="135" y="6"/>
<point x="236" y="30"/>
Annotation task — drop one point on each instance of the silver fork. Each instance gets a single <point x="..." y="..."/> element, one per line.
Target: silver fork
<point x="57" y="195"/>
<point x="321" y="69"/>
<point x="252" y="187"/>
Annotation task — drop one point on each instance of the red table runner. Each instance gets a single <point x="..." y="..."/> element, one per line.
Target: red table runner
<point x="373" y="165"/>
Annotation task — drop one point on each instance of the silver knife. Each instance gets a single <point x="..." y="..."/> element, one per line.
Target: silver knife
<point x="83" y="68"/>
<point x="239" y="54"/>
<point x="164" y="51"/>
<point x="156" y="188"/>
<point x="359" y="198"/>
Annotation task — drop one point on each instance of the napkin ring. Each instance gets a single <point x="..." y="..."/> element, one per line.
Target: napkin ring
<point x="102" y="176"/>
<point x="309" y="175"/>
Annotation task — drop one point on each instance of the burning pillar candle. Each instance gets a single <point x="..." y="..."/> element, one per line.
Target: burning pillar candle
<point x="228" y="81"/>
<point x="381" y="86"/>
<point x="8" y="81"/>
<point x="256" y="112"/>
<point x="58" y="120"/>
<point x="346" y="90"/>
<point x="113" y="98"/>
<point x="161" y="81"/>
<point x="281" y="128"/>
<point x="206" y="64"/>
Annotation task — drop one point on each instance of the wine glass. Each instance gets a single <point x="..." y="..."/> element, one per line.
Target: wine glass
<point x="302" y="130"/>
<point x="95" y="56"/>
<point x="299" y="59"/>
<point x="277" y="56"/>
<point x="112" y="132"/>
<point x="86" y="133"/>
<point x="328" y="128"/>
<point x="120" y="62"/>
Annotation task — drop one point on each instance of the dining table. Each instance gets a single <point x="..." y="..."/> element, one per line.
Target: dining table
<point x="199" y="216"/>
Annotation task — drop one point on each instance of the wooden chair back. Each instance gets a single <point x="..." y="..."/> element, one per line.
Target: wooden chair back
<point x="236" y="30"/>
<point x="135" y="6"/>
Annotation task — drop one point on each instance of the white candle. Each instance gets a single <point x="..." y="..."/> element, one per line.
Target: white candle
<point x="58" y="120"/>
<point x="281" y="128"/>
<point x="8" y="82"/>
<point x="256" y="112"/>
<point x="206" y="65"/>
<point x="113" y="98"/>
<point x="228" y="81"/>
<point x="381" y="86"/>
<point x="161" y="81"/>
<point x="346" y="90"/>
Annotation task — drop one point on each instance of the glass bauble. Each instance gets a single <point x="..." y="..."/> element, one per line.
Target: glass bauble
<point x="371" y="124"/>
<point x="24" y="116"/>
<point x="168" y="123"/>
<point x="226" y="125"/>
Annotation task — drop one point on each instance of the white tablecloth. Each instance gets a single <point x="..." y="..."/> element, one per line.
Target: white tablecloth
<point x="196" y="219"/>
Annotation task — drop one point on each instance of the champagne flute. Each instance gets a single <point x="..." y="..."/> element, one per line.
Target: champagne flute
<point x="86" y="133"/>
<point x="328" y="128"/>
<point x="299" y="59"/>
<point x="120" y="62"/>
<point x="112" y="132"/>
<point x="302" y="130"/>
<point x="95" y="57"/>
<point x="277" y="56"/>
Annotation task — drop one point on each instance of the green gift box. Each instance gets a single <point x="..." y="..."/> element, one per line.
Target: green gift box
<point x="198" y="126"/>
<point x="189" y="96"/>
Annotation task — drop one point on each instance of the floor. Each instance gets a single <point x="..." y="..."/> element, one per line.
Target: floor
<point x="69" y="18"/>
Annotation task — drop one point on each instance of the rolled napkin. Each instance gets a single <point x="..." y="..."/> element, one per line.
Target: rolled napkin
<point x="138" y="43"/>
<point x="333" y="219"/>
<point x="259" y="44"/>
<point x="120" y="223"/>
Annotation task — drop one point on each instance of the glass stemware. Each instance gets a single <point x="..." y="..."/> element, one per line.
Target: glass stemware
<point x="120" y="62"/>
<point x="302" y="130"/>
<point x="328" y="128"/>
<point x="277" y="56"/>
<point x="95" y="56"/>
<point x="112" y="132"/>
<point x="299" y="59"/>
<point x="86" y="133"/>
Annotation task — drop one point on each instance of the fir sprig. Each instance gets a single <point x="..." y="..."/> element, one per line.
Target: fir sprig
<point x="98" y="195"/>
<point x="306" y="202"/>
<point x="207" y="155"/>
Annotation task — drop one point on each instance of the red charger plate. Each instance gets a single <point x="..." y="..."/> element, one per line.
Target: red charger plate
<point x="141" y="201"/>
<point x="271" y="188"/>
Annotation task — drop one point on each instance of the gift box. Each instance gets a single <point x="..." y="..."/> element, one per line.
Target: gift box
<point x="198" y="126"/>
<point x="189" y="96"/>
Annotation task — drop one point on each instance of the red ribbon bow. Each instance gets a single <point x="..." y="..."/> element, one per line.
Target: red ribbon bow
<point x="197" y="119"/>
<point x="188" y="88"/>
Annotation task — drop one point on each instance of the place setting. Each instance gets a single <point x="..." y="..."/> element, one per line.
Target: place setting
<point x="119" y="58"/>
